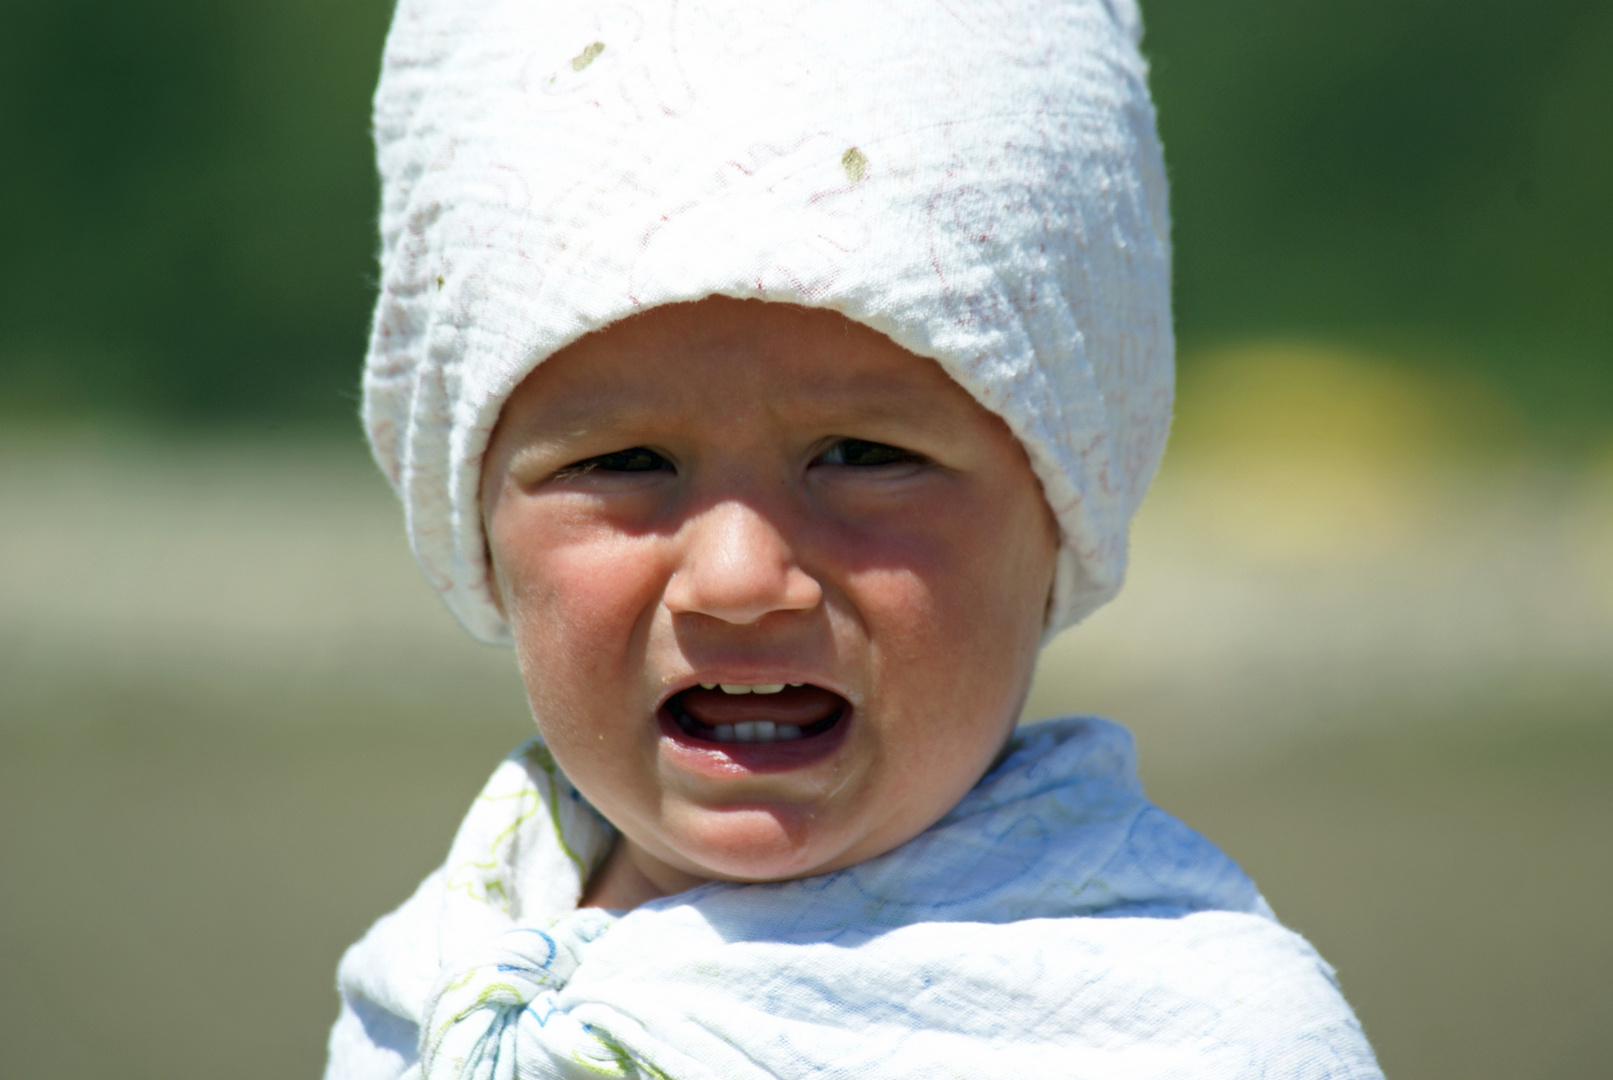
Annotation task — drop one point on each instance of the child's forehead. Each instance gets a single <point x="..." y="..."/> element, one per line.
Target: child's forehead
<point x="722" y="357"/>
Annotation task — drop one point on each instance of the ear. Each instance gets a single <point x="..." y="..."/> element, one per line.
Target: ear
<point x="495" y="584"/>
<point x="495" y="592"/>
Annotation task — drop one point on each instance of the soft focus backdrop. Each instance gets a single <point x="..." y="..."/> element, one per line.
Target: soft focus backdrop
<point x="1367" y="645"/>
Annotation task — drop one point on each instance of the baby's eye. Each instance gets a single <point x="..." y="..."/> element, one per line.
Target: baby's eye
<point x="636" y="459"/>
<point x="860" y="453"/>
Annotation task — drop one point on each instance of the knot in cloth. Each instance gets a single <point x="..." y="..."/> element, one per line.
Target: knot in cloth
<point x="496" y="1016"/>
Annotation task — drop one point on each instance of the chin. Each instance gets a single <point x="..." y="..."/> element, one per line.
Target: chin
<point x="754" y="844"/>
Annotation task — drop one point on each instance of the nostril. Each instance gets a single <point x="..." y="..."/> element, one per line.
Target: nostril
<point x="741" y="596"/>
<point x="736" y="564"/>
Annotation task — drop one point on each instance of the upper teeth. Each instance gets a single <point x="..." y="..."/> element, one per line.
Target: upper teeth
<point x="747" y="688"/>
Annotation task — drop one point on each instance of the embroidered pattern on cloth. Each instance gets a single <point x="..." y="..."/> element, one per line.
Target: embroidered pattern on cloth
<point x="1054" y="924"/>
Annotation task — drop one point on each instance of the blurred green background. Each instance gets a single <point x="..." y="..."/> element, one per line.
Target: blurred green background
<point x="1367" y="644"/>
<point x="189" y="195"/>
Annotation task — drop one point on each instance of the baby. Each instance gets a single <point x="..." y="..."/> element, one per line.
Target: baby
<point x="776" y="379"/>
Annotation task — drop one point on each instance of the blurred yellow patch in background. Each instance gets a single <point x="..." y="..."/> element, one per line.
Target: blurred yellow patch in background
<point x="1309" y="451"/>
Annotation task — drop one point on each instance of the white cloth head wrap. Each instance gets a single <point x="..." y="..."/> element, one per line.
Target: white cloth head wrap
<point x="979" y="180"/>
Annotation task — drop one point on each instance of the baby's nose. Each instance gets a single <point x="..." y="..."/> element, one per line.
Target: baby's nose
<point x="738" y="566"/>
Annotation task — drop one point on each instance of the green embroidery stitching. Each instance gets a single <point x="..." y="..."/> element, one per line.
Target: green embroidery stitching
<point x="623" y="1063"/>
<point x="538" y="754"/>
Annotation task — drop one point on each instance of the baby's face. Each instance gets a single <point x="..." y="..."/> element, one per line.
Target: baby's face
<point x="776" y="584"/>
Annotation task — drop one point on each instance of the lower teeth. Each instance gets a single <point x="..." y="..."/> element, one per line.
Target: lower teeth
<point x="750" y="731"/>
<point x="757" y="731"/>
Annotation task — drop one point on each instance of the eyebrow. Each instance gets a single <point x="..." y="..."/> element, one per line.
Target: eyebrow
<point x="861" y="401"/>
<point x="581" y="418"/>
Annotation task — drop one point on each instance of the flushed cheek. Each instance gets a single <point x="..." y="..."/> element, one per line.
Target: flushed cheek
<point x="583" y="574"/>
<point x="921" y="640"/>
<point x="592" y="733"/>
<point x="582" y="602"/>
<point x="947" y="678"/>
<point x="579" y="627"/>
<point x="931" y="576"/>
<point x="934" y="660"/>
<point x="890" y="602"/>
<point x="609" y="761"/>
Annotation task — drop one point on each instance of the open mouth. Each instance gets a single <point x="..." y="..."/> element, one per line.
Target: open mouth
<point x="766" y="713"/>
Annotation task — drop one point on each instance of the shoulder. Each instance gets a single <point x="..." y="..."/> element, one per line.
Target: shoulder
<point x="1068" y="790"/>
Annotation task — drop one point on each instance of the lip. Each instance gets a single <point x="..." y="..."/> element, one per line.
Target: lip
<point x="750" y="677"/>
<point x="717" y="760"/>
<point x="735" y="759"/>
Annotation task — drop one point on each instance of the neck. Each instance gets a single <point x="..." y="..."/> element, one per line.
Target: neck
<point x="630" y="876"/>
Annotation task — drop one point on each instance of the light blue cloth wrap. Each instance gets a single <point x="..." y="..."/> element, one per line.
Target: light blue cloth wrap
<point x="1054" y="924"/>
